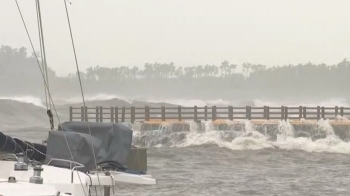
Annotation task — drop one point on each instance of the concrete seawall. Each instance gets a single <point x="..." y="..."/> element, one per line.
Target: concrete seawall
<point x="300" y="128"/>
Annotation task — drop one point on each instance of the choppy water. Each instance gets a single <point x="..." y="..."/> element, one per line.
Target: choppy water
<point x="210" y="170"/>
<point x="244" y="160"/>
<point x="246" y="165"/>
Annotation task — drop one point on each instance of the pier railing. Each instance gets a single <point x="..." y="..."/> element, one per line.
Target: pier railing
<point x="136" y="114"/>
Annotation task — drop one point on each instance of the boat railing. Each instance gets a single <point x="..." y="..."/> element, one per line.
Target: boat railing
<point x="77" y="165"/>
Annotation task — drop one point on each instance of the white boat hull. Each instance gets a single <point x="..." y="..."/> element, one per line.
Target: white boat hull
<point x="65" y="181"/>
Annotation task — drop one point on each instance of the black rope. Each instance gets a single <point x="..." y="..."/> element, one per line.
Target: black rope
<point x="49" y="113"/>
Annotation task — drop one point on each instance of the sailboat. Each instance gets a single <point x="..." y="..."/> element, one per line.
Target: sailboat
<point x="78" y="159"/>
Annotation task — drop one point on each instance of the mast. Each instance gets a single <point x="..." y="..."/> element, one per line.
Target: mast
<point x="44" y="63"/>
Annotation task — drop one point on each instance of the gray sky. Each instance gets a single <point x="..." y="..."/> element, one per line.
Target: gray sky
<point x="187" y="32"/>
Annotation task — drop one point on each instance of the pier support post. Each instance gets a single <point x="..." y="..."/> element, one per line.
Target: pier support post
<point x="123" y="114"/>
<point x="112" y="114"/>
<point x="179" y="112"/>
<point x="230" y="113"/>
<point x="82" y="113"/>
<point x="304" y="113"/>
<point x="163" y="113"/>
<point x="101" y="114"/>
<point x="195" y="114"/>
<point x="97" y="113"/>
<point x="146" y="113"/>
<point x="285" y="113"/>
<point x="248" y="112"/>
<point x="323" y="113"/>
<point x="213" y="113"/>
<point x="342" y="111"/>
<point x="86" y="114"/>
<point x="70" y="113"/>
<point x="116" y="110"/>
<point x="132" y="115"/>
<point x="336" y="112"/>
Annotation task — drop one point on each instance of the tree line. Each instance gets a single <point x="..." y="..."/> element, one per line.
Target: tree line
<point x="302" y="81"/>
<point x="166" y="71"/>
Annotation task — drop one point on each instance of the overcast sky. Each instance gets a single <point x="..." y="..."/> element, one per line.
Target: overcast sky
<point x="187" y="32"/>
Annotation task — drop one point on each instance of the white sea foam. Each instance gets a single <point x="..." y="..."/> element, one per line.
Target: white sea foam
<point x="26" y="99"/>
<point x="250" y="138"/>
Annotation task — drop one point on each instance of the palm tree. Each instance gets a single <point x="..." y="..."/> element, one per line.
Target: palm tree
<point x="224" y="68"/>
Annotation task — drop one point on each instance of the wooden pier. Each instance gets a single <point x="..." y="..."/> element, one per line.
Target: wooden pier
<point x="197" y="114"/>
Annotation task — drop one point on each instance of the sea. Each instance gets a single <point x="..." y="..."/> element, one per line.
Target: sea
<point x="245" y="161"/>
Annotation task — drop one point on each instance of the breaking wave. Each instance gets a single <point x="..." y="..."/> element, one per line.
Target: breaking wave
<point x="26" y="99"/>
<point x="320" y="137"/>
<point x="97" y="97"/>
<point x="184" y="102"/>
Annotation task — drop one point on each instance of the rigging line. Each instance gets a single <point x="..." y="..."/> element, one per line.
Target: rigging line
<point x="42" y="74"/>
<point x="41" y="51"/>
<point x="81" y="88"/>
<point x="44" y="64"/>
<point x="43" y="46"/>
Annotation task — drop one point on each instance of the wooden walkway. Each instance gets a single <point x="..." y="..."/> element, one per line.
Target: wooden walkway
<point x="139" y="114"/>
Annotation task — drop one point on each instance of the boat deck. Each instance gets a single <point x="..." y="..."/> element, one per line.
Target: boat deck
<point x="26" y="189"/>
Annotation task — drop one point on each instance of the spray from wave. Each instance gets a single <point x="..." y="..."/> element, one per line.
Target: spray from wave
<point x="320" y="137"/>
<point x="183" y="102"/>
<point x="97" y="97"/>
<point x="26" y="99"/>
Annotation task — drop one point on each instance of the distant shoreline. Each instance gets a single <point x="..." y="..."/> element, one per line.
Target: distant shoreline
<point x="304" y="82"/>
